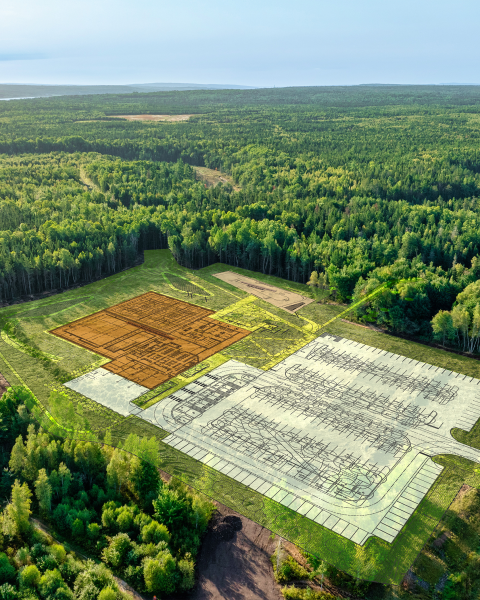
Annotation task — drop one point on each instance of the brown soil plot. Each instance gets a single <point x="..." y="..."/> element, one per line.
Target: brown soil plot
<point x="151" y="338"/>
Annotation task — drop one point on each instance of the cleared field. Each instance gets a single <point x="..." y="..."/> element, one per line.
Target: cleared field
<point x="170" y="118"/>
<point x="31" y="356"/>
<point x="212" y="177"/>
<point x="289" y="301"/>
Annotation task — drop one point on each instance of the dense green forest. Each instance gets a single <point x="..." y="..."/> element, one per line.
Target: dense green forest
<point x="360" y="185"/>
<point x="111" y="504"/>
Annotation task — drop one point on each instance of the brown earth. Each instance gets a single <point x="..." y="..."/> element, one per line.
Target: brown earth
<point x="236" y="569"/>
<point x="152" y="337"/>
<point x="169" y="118"/>
<point x="289" y="301"/>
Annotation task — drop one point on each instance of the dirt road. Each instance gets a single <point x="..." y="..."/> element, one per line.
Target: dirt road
<point x="236" y="569"/>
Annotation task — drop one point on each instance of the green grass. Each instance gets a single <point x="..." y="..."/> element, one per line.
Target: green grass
<point x="26" y="358"/>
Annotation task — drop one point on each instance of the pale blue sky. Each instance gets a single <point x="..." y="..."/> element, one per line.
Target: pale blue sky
<point x="247" y="42"/>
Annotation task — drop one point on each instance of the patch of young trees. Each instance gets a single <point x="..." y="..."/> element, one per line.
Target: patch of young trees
<point x="108" y="501"/>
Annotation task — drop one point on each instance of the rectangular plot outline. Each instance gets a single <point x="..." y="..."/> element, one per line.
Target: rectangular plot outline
<point x="160" y="353"/>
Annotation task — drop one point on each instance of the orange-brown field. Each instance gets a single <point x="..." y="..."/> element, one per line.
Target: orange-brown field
<point x="151" y="338"/>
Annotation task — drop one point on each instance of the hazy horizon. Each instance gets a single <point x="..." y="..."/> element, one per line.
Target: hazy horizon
<point x="251" y="44"/>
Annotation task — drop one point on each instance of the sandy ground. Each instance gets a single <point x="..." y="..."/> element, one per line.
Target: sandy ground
<point x="237" y="569"/>
<point x="170" y="118"/>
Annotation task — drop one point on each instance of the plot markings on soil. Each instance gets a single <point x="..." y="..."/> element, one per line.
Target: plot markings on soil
<point x="289" y="301"/>
<point x="151" y="338"/>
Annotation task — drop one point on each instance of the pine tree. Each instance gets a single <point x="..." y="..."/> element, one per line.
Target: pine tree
<point x="18" y="456"/>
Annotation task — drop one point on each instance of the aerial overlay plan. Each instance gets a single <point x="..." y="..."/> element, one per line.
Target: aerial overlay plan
<point x="325" y="440"/>
<point x="239" y="338"/>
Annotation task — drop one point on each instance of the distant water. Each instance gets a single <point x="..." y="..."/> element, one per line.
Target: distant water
<point x="24" y="98"/>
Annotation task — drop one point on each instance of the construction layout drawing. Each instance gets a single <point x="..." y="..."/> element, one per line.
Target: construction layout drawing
<point x="339" y="432"/>
<point x="152" y="338"/>
<point x="289" y="301"/>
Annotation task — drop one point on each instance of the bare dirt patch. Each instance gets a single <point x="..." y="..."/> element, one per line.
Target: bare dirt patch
<point x="238" y="568"/>
<point x="169" y="118"/>
<point x="212" y="178"/>
<point x="289" y="301"/>
<point x="463" y="490"/>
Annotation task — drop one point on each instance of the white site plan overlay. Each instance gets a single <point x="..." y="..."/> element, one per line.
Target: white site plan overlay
<point x="339" y="432"/>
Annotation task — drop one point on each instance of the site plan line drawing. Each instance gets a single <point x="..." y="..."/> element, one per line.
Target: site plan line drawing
<point x="152" y="337"/>
<point x="340" y="432"/>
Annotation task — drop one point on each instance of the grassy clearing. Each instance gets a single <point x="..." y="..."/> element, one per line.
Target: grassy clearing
<point x="275" y="334"/>
<point x="455" y="538"/>
<point x="211" y="177"/>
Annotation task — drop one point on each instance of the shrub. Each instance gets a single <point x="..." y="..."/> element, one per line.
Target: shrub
<point x="125" y="519"/>
<point x="29" y="594"/>
<point x="345" y="581"/>
<point x="134" y="576"/>
<point x="78" y="528"/>
<point x="93" y="531"/>
<point x="47" y="563"/>
<point x="87" y="591"/>
<point x="155" y="532"/>
<point x="38" y="550"/>
<point x="49" y="583"/>
<point x="109" y="520"/>
<point x="63" y="593"/>
<point x="173" y="508"/>
<point x="30" y="576"/>
<point x="159" y="573"/>
<point x="293" y="593"/>
<point x="70" y="569"/>
<point x="22" y="557"/>
<point x="107" y="594"/>
<point x="8" y="592"/>
<point x="92" y="579"/>
<point x="117" y="550"/>
<point x="187" y="572"/>
<point x="58" y="552"/>
<point x="289" y="570"/>
<point x="60" y="516"/>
